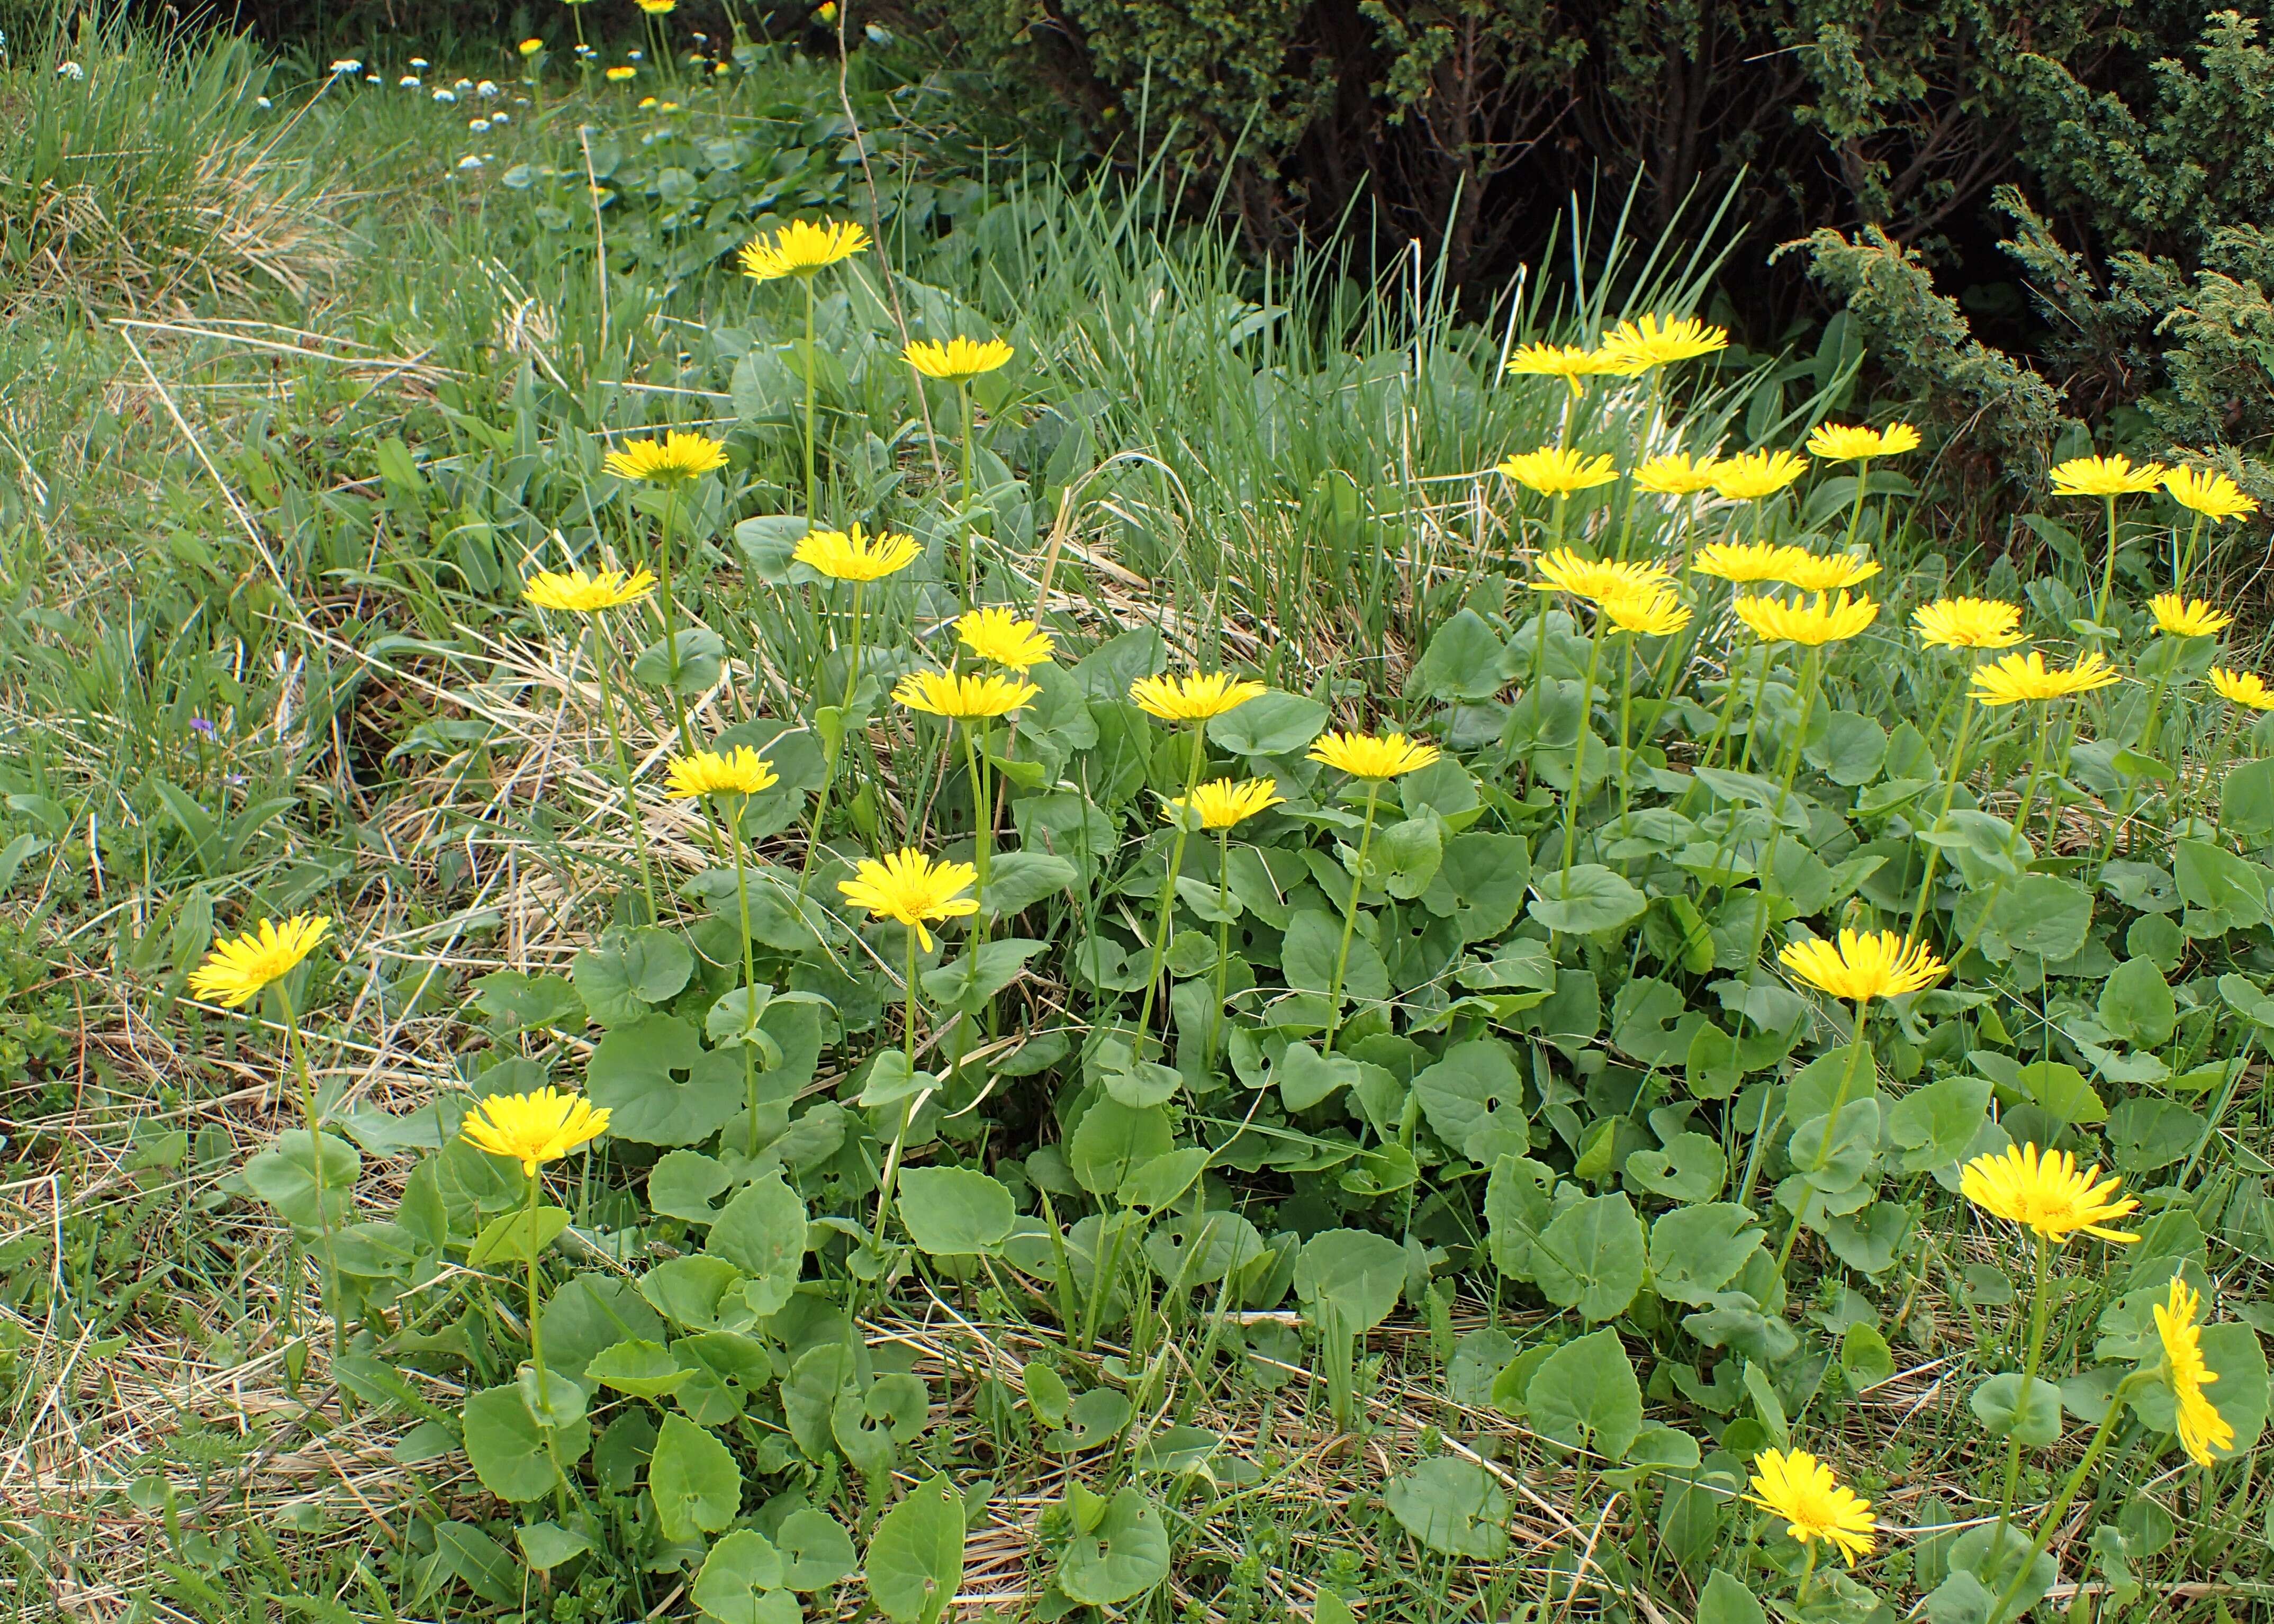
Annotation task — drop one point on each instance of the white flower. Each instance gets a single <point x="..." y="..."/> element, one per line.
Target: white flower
<point x="347" y="64"/>
<point x="463" y="85"/>
<point x="487" y="90"/>
<point x="878" y="36"/>
<point x="501" y="118"/>
<point x="445" y="96"/>
<point x="70" y="70"/>
<point x="469" y="162"/>
<point x="635" y="55"/>
<point x="408" y="81"/>
<point x="521" y="101"/>
<point x="478" y="126"/>
<point x="263" y="103"/>
<point x="374" y="79"/>
<point x="420" y="62"/>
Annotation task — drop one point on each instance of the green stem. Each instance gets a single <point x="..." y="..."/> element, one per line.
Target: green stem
<point x="1949" y="796"/>
<point x="1856" y="1051"/>
<point x="1579" y="744"/>
<point x="671" y="616"/>
<point x="1223" y="928"/>
<point x="812" y="498"/>
<point x="330" y="1293"/>
<point x="749" y="976"/>
<point x="970" y="569"/>
<point x="1350" y="918"/>
<point x="2188" y="558"/>
<point x="1163" y="922"/>
<point x="829" y="767"/>
<point x="1855" y="513"/>
<point x="1807" y="1572"/>
<point x="536" y="1325"/>
<point x="2040" y="1306"/>
<point x="908" y="1109"/>
<point x="2108" y="570"/>
<point x="1626" y="703"/>
<point x="2058" y="1510"/>
<point x="623" y="769"/>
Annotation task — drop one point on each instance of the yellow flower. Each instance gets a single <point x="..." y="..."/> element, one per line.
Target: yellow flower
<point x="677" y="455"/>
<point x="1813" y="572"/>
<point x="2201" y="1428"/>
<point x="1648" y="614"/>
<point x="739" y="771"/>
<point x="2208" y="492"/>
<point x="1194" y="698"/>
<point x="645" y="103"/>
<point x="965" y="697"/>
<point x="617" y="75"/>
<point x="856" y="557"/>
<point x="1677" y="473"/>
<point x="1363" y="756"/>
<point x="533" y="1129"/>
<point x="2046" y="1193"/>
<point x="1653" y="341"/>
<point x="1570" y="361"/>
<point x="656" y="8"/>
<point x="1000" y="637"/>
<point x="957" y="361"/>
<point x="1774" y="620"/>
<point x="2108" y="476"/>
<point x="1814" y="1504"/>
<point x="2242" y="687"/>
<point x="1222" y="802"/>
<point x="236" y="971"/>
<point x="1745" y="562"/>
<point x="2187" y="617"/>
<point x="911" y="888"/>
<point x="529" y="48"/>
<point x="1597" y="579"/>
<point x="579" y="593"/>
<point x="1968" y="623"/>
<point x="1552" y="470"/>
<point x="1871" y="964"/>
<point x="2021" y="678"/>
<point x="802" y="248"/>
<point x="1753" y="475"/>
<point x="1836" y="442"/>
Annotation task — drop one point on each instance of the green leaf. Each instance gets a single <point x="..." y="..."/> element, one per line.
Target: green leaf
<point x="1270" y="724"/>
<point x="641" y="1368"/>
<point x="626" y="971"/>
<point x="2222" y="892"/>
<point x="816" y="1551"/>
<point x="514" y="1236"/>
<point x="480" y="1562"/>
<point x="1725" y="1601"/>
<point x="915" y="1557"/>
<point x="1017" y="880"/>
<point x="1690" y="1167"/>
<point x="1585" y="1395"/>
<point x="521" y="1003"/>
<point x="701" y="1293"/>
<point x="1461" y="662"/>
<point x="2042" y="914"/>
<point x="1124" y="1556"/>
<point x="506" y="1447"/>
<point x="1308" y="959"/>
<point x="545" y="1545"/>
<point x="2062" y="1090"/>
<point x="1306" y="1077"/>
<point x="1484" y="877"/>
<point x="2136" y="1005"/>
<point x="697" y="1487"/>
<point x="2146" y="1133"/>
<point x="1473" y="1100"/>
<point x="968" y="981"/>
<point x="1697" y="1251"/>
<point x="1584" y="899"/>
<point x="741" y="1582"/>
<point x="284" y="1176"/>
<point x="1591" y="1258"/>
<point x="1453" y="1507"/>
<point x="1161" y="1181"/>
<point x="762" y="1232"/>
<point x="702" y="656"/>
<point x="2008" y="1407"/>
<point x="1112" y="1141"/>
<point x="1358" y="1273"/>
<point x="660" y="1086"/>
<point x="683" y="1185"/>
<point x="954" y="1210"/>
<point x="1936" y="1126"/>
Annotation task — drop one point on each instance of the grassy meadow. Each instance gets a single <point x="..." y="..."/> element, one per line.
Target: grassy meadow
<point x="1263" y="947"/>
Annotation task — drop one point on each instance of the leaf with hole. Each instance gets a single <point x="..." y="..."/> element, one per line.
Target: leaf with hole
<point x="1124" y="1556"/>
<point x="625" y="973"/>
<point x="741" y="1582"/>
<point x="1585" y="1395"/>
<point x="697" y="1487"/>
<point x="660" y="1086"/>
<point x="914" y="1561"/>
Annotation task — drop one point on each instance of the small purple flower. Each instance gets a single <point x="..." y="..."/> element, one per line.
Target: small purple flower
<point x="198" y="724"/>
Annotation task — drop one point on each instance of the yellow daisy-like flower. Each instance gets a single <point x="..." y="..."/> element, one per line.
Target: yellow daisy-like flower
<point x="856" y="556"/>
<point x="1814" y="625"/>
<point x="965" y="696"/>
<point x="1597" y="579"/>
<point x="2020" y="679"/>
<point x="2187" y="617"/>
<point x="618" y="74"/>
<point x="1836" y="442"/>
<point x="913" y="888"/>
<point x="2201" y="1428"/>
<point x="2108" y="476"/>
<point x="677" y="455"/>
<point x="1365" y="756"/>
<point x="1814" y="1504"/>
<point x="802" y="248"/>
<point x="1814" y="572"/>
<point x="533" y="1129"/>
<point x="2046" y="1193"/>
<point x="739" y="771"/>
<point x="1222" y="803"/>
<point x="1863" y="965"/>
<point x="959" y="360"/>
<point x="1653" y="614"/>
<point x="657" y="7"/>
<point x="1677" y="473"/>
<point x="1193" y="698"/>
<point x="2242" y="687"/>
<point x="1656" y="340"/>
<point x="1552" y="470"/>
<point x="1745" y="562"/>
<point x="2209" y="493"/>
<point x="1573" y="363"/>
<point x="1002" y="638"/>
<point x="1752" y="475"/>
<point x="578" y="593"/>
<point x="236" y="971"/>
<point x="529" y="48"/>
<point x="1968" y="623"/>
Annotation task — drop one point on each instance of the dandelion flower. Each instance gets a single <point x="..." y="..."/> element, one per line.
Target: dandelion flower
<point x="1222" y="802"/>
<point x="2242" y="687"/>
<point x="618" y="74"/>
<point x="1745" y="562"/>
<point x="1968" y="623"/>
<point x="533" y="1129"/>
<point x="2209" y="493"/>
<point x="236" y="971"/>
<point x="1364" y="756"/>
<point x="963" y="697"/>
<point x="1552" y="470"/>
<point x="578" y="593"/>
<point x="678" y="455"/>
<point x="1813" y="572"/>
<point x="857" y="555"/>
<point x="739" y="771"/>
<point x="959" y="360"/>
<point x="1656" y="340"/>
<point x="2019" y="678"/>
<point x="1573" y="363"/>
<point x="2108" y="476"/>
<point x="529" y="48"/>
<point x="913" y="888"/>
<point x="1836" y="442"/>
<point x="1192" y="699"/>
<point x="1865" y="965"/>
<point x="657" y="7"/>
<point x="1001" y="638"/>
<point x="2047" y="1193"/>
<point x="1677" y="473"/>
<point x="2187" y="617"/>
<point x="1814" y="1504"/>
<point x="1773" y="620"/>
<point x="2201" y="1428"/>
<point x="802" y="248"/>
<point x="1753" y="475"/>
<point x="1651" y="614"/>
<point x="1597" y="579"/>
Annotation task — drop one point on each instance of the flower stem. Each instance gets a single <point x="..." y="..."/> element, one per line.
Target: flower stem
<point x="812" y="498"/>
<point x="1579" y="744"/>
<point x="829" y="767"/>
<point x="536" y="1326"/>
<point x="1223" y="928"/>
<point x="2040" y="1306"/>
<point x="1856" y="1052"/>
<point x="2108" y="570"/>
<point x="331" y="1284"/>
<point x="1855" y="513"/>
<point x="623" y="768"/>
<point x="1807" y="1574"/>
<point x="749" y="976"/>
<point x="2058" y="1510"/>
<point x="1949" y="795"/>
<point x="1350" y="918"/>
<point x="1164" y="920"/>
